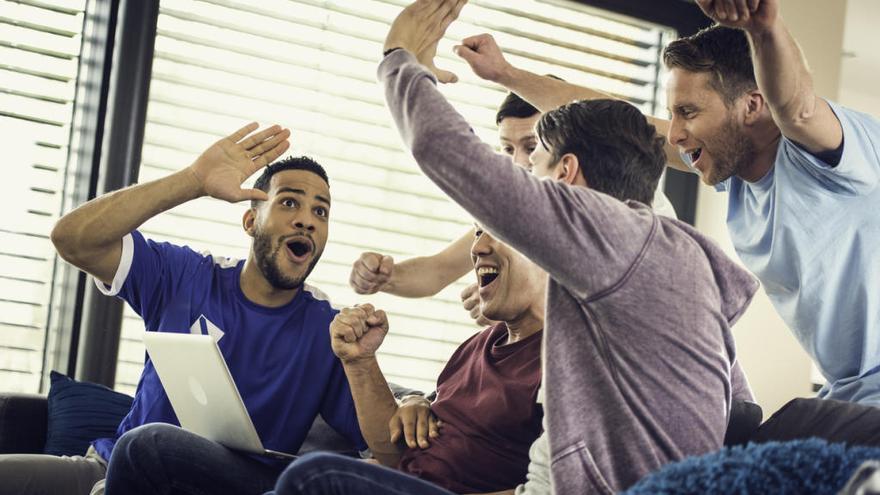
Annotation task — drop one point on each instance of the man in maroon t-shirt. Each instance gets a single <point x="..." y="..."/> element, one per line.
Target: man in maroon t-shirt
<point x="486" y="394"/>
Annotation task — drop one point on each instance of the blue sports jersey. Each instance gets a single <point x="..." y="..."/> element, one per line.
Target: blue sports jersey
<point x="280" y="358"/>
<point x="810" y="232"/>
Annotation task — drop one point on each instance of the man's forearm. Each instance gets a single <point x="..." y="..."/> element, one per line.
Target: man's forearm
<point x="781" y="72"/>
<point x="546" y="93"/>
<point x="375" y="405"/>
<point x="100" y="224"/>
<point x="425" y="276"/>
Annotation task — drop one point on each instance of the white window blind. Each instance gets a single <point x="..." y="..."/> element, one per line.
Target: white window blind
<point x="39" y="51"/>
<point x="310" y="65"/>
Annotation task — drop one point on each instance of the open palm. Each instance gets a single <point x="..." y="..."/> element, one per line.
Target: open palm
<point x="222" y="168"/>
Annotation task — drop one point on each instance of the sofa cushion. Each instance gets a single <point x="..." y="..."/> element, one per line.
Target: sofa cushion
<point x="22" y="423"/>
<point x="80" y="412"/>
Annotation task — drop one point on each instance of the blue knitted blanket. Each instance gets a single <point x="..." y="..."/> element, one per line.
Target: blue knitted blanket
<point x="810" y="466"/>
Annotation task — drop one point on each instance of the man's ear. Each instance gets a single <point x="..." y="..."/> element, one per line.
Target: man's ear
<point x="755" y="107"/>
<point x="249" y="220"/>
<point x="568" y="169"/>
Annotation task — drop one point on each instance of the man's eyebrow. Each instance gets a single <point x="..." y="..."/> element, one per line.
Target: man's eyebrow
<point x="301" y="192"/>
<point x="291" y="190"/>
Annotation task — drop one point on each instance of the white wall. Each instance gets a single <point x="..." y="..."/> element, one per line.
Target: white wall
<point x="777" y="367"/>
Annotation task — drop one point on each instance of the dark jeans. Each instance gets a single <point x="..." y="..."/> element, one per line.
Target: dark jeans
<point x="331" y="474"/>
<point x="161" y="459"/>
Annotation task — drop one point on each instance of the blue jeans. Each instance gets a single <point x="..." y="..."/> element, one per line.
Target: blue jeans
<point x="331" y="474"/>
<point x="159" y="459"/>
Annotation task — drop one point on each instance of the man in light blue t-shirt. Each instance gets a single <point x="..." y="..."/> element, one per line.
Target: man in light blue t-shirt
<point x="801" y="172"/>
<point x="271" y="327"/>
<point x="802" y="175"/>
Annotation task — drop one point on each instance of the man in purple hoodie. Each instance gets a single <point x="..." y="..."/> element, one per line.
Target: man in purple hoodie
<point x="637" y="336"/>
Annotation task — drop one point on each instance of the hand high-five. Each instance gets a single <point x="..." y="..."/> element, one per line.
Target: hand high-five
<point x="419" y="28"/>
<point x="356" y="333"/>
<point x="223" y="167"/>
<point x="750" y="15"/>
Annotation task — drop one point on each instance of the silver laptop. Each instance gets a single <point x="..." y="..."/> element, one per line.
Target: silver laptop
<point x="202" y="392"/>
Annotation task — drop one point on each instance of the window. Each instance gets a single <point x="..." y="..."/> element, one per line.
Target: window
<point x="39" y="56"/>
<point x="310" y="65"/>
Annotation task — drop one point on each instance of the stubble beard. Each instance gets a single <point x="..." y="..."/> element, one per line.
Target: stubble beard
<point x="267" y="256"/>
<point x="731" y="151"/>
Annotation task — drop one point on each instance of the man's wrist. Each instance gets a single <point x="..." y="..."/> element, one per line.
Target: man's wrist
<point x="389" y="51"/>
<point x="508" y="77"/>
<point x="762" y="34"/>
<point x="359" y="366"/>
<point x="193" y="182"/>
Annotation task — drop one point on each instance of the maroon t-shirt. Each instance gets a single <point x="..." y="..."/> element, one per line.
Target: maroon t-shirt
<point x="486" y="399"/>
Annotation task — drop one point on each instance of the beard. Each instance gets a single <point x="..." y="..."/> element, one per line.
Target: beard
<point x="267" y="256"/>
<point x="731" y="152"/>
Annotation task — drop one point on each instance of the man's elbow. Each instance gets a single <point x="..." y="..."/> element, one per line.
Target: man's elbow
<point x="65" y="239"/>
<point x="800" y="110"/>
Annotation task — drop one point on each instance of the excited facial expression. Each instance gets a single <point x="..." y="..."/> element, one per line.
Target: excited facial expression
<point x="510" y="284"/>
<point x="518" y="139"/>
<point x="707" y="131"/>
<point x="290" y="228"/>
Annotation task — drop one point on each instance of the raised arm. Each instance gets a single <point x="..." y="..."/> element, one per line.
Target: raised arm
<point x="781" y="72"/>
<point x="547" y="221"/>
<point x="423" y="276"/>
<point x="90" y="237"/>
<point x="355" y="336"/>
<point x="487" y="61"/>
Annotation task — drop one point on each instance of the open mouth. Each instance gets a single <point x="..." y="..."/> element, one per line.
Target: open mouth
<point x="299" y="249"/>
<point x="486" y="275"/>
<point x="695" y="155"/>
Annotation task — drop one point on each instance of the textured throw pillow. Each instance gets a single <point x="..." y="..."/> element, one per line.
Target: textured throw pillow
<point x="81" y="412"/>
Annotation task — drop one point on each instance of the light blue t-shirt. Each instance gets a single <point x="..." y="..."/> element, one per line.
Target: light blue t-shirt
<point x="811" y="233"/>
<point x="280" y="358"/>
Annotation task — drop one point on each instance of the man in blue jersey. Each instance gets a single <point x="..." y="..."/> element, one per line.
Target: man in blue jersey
<point x="270" y="326"/>
<point x="802" y="175"/>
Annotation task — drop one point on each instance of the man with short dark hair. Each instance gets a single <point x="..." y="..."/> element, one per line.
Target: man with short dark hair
<point x="270" y="326"/>
<point x="802" y="174"/>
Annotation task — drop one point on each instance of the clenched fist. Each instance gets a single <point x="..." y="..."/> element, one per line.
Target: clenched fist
<point x="356" y="333"/>
<point x="371" y="273"/>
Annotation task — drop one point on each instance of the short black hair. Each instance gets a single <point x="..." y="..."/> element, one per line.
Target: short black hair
<point x="721" y="51"/>
<point x="289" y="163"/>
<point x="516" y="107"/>
<point x="618" y="150"/>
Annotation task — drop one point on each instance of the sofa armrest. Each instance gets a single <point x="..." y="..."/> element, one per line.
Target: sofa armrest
<point x="23" y="423"/>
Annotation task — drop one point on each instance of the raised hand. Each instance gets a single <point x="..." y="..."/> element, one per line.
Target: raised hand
<point x="414" y="423"/>
<point x="484" y="56"/>
<point x="470" y="299"/>
<point x="750" y="15"/>
<point x="356" y="333"/>
<point x="371" y="273"/>
<point x="222" y="168"/>
<point x="418" y="29"/>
